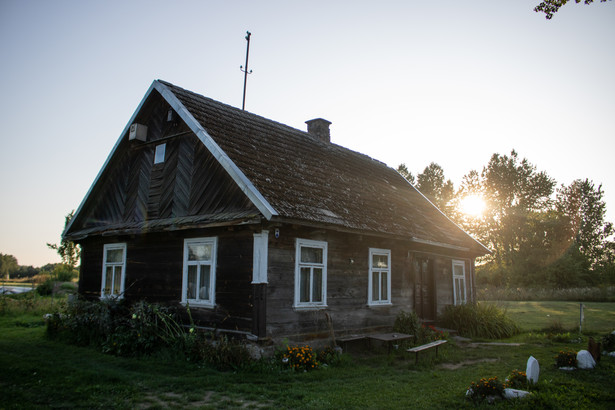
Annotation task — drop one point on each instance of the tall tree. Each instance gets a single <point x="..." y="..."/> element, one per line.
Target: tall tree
<point x="517" y="198"/>
<point x="432" y="183"/>
<point x="8" y="265"/>
<point x="550" y="7"/>
<point x="582" y="205"/>
<point x="405" y="172"/>
<point x="68" y="250"/>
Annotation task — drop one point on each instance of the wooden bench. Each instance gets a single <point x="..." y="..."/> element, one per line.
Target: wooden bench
<point x="427" y="346"/>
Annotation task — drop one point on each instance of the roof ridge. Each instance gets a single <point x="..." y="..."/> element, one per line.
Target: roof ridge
<point x="272" y="122"/>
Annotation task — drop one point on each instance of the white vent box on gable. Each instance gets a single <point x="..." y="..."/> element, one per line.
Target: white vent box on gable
<point x="137" y="132"/>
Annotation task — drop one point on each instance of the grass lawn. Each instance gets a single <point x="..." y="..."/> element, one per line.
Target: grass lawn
<point x="39" y="373"/>
<point x="534" y="316"/>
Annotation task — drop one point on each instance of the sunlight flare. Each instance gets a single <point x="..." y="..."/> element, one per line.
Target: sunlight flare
<point x="473" y="205"/>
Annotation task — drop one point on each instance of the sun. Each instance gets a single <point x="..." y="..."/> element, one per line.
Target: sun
<point x="473" y="205"/>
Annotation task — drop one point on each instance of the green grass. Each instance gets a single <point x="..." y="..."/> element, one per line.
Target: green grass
<point x="535" y="316"/>
<point x="39" y="373"/>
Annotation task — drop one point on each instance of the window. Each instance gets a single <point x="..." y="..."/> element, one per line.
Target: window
<point x="379" y="286"/>
<point x="159" y="155"/>
<point x="459" y="282"/>
<point x="310" y="273"/>
<point x="114" y="270"/>
<point x="199" y="277"/>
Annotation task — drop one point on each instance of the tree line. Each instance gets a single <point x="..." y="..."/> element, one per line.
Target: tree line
<point x="540" y="234"/>
<point x="68" y="251"/>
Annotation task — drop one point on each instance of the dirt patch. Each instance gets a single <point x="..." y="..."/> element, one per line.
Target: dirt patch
<point x="455" y="366"/>
<point x="210" y="398"/>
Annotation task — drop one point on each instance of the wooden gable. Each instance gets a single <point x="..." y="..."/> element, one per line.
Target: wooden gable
<point x="132" y="194"/>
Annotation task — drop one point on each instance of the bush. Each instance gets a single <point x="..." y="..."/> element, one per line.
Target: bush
<point x="46" y="287"/>
<point x="141" y="329"/>
<point x="484" y="388"/>
<point x="299" y="358"/>
<point x="328" y="356"/>
<point x="116" y="328"/>
<point x="479" y="320"/>
<point x="63" y="273"/>
<point x="608" y="342"/>
<point x="517" y="380"/>
<point x="407" y="323"/>
<point x="566" y="358"/>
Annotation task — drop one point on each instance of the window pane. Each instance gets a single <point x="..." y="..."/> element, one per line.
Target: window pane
<point x="375" y="286"/>
<point x="458" y="270"/>
<point x="317" y="287"/>
<point x="311" y="255"/>
<point x="304" y="285"/>
<point x="380" y="261"/>
<point x="384" y="289"/>
<point x="115" y="255"/>
<point x="117" y="280"/>
<point x="108" y="280"/>
<point x="199" y="252"/>
<point x="159" y="154"/>
<point x="205" y="282"/>
<point x="192" y="282"/>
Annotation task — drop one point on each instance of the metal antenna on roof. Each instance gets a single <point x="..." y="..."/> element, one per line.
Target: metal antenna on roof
<point x="246" y="72"/>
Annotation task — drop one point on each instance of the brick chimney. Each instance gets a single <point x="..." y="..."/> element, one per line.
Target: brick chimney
<point x="319" y="128"/>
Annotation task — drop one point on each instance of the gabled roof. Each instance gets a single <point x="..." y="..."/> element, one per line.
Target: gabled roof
<point x="292" y="176"/>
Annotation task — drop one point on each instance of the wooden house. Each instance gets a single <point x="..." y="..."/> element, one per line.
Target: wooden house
<point x="261" y="228"/>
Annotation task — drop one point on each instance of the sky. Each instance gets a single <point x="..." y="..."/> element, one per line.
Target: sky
<point x="412" y="82"/>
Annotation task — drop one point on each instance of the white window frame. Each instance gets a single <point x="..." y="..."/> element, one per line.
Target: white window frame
<point x="159" y="153"/>
<point x="213" y="241"/>
<point x="459" y="299"/>
<point x="107" y="247"/>
<point x="308" y="243"/>
<point x="371" y="300"/>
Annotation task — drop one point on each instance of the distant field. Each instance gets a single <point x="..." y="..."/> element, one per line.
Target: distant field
<point x="533" y="316"/>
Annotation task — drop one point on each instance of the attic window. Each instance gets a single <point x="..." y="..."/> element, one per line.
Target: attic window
<point x="159" y="155"/>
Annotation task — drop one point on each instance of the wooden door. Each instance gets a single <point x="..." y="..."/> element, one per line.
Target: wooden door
<point x="424" y="301"/>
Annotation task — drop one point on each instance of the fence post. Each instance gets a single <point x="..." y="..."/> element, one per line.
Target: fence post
<point x="581" y="317"/>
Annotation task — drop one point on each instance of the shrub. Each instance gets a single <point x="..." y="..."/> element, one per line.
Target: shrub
<point x="407" y="323"/>
<point x="117" y="328"/>
<point x="484" y="388"/>
<point x="46" y="287"/>
<point x="517" y="380"/>
<point x="479" y="320"/>
<point x="299" y="358"/>
<point x="63" y="273"/>
<point x="328" y="356"/>
<point x="608" y="342"/>
<point x="566" y="358"/>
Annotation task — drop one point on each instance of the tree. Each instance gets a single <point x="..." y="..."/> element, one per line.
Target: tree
<point x="8" y="265"/>
<point x="550" y="7"/>
<point x="582" y="205"/>
<point x="515" y="222"/>
<point x="68" y="250"/>
<point x="431" y="182"/>
<point x="404" y="172"/>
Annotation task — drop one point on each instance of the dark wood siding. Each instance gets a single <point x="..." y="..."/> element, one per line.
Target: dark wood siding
<point x="154" y="269"/>
<point x="347" y="285"/>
